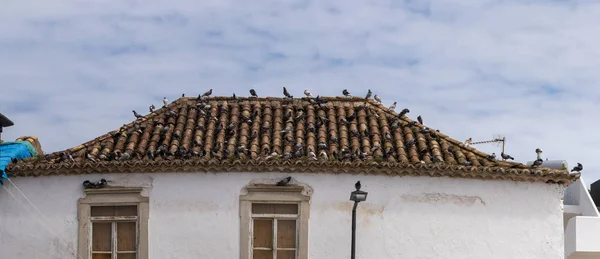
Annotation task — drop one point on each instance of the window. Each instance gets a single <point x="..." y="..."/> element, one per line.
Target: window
<point x="274" y="230"/>
<point x="274" y="222"/>
<point x="114" y="232"/>
<point x="113" y="224"/>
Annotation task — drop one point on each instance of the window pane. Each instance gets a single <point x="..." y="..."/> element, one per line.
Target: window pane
<point x="101" y="256"/>
<point x="262" y="254"/>
<point x="286" y="234"/>
<point x="286" y="254"/>
<point x="263" y="233"/>
<point x="125" y="256"/>
<point x="265" y="208"/>
<point x="126" y="240"/>
<point x="101" y="237"/>
<point x="104" y="211"/>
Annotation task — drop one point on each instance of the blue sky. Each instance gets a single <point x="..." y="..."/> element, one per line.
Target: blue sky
<point x="527" y="70"/>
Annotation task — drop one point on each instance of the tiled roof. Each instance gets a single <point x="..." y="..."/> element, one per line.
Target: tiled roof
<point x="330" y="134"/>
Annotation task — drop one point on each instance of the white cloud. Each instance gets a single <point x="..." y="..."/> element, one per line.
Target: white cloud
<point x="471" y="68"/>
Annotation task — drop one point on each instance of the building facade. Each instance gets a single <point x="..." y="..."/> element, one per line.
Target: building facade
<point x="199" y="179"/>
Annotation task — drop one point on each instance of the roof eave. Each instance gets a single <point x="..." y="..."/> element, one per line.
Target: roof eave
<point x="369" y="168"/>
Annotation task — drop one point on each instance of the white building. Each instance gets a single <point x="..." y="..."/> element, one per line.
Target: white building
<point x="190" y="190"/>
<point x="581" y="222"/>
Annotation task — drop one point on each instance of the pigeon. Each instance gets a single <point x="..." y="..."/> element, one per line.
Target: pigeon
<point x="346" y="93"/>
<point x="377" y="98"/>
<point x="357" y="185"/>
<point x="287" y="129"/>
<point x="578" y="168"/>
<point x="392" y="107"/>
<point x="151" y="108"/>
<point x="320" y="100"/>
<point x="165" y="101"/>
<point x="506" y="156"/>
<point x="468" y="142"/>
<point x="253" y="136"/>
<point x="404" y="112"/>
<point x="253" y="93"/>
<point x="307" y="93"/>
<point x="182" y="95"/>
<point x="232" y="126"/>
<point x="234" y="97"/>
<point x="361" y="155"/>
<point x="171" y="113"/>
<point x="369" y="93"/>
<point x="323" y="155"/>
<point x="87" y="184"/>
<point x="218" y="129"/>
<point x="492" y="156"/>
<point x="537" y="163"/>
<point x="322" y="145"/>
<point x="375" y="147"/>
<point x="95" y="185"/>
<point x="137" y="115"/>
<point x="284" y="182"/>
<point x="420" y="120"/>
<point x="285" y="93"/>
<point x="311" y="154"/>
<point x="208" y="93"/>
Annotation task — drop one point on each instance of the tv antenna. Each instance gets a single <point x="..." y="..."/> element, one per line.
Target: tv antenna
<point x="497" y="140"/>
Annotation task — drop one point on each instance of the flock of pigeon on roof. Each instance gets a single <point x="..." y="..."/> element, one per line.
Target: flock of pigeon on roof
<point x="201" y="99"/>
<point x="319" y="101"/>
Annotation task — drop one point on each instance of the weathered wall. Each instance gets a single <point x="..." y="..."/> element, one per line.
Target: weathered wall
<point x="196" y="216"/>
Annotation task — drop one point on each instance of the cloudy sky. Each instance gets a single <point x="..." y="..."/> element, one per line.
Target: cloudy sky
<point x="527" y="70"/>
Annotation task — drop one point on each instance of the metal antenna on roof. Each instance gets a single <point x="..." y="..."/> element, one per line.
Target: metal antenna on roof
<point x="497" y="139"/>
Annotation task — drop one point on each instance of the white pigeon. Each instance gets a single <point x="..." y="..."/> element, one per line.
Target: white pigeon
<point x="377" y="98"/>
<point x="324" y="155"/>
<point x="312" y="155"/>
<point x="165" y="101"/>
<point x="307" y="93"/>
<point x="392" y="107"/>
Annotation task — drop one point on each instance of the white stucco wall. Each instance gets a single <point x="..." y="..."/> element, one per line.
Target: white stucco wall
<point x="196" y="216"/>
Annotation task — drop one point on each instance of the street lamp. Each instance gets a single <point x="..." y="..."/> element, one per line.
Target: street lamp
<point x="356" y="196"/>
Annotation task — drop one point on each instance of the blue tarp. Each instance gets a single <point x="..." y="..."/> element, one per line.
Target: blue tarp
<point x="10" y="150"/>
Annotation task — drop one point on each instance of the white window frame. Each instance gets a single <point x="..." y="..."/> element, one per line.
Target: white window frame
<point x="274" y="195"/>
<point x="113" y="196"/>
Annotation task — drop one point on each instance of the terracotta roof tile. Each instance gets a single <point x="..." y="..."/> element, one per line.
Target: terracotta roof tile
<point x="277" y="134"/>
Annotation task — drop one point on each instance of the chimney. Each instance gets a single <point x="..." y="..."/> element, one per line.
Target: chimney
<point x="4" y="122"/>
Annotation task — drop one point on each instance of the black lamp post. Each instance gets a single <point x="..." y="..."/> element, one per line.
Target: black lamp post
<point x="4" y="122"/>
<point x="356" y="196"/>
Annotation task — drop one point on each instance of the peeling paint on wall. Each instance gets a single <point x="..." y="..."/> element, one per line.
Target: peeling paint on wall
<point x="443" y="198"/>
